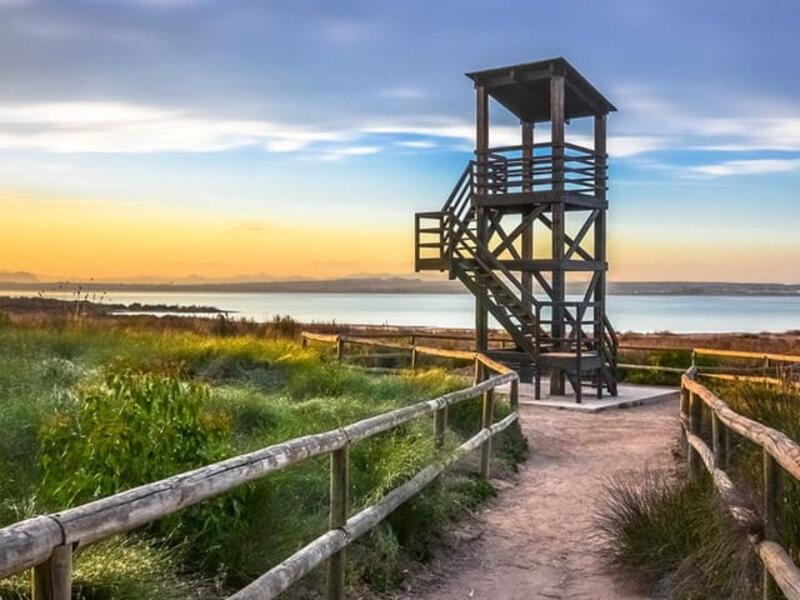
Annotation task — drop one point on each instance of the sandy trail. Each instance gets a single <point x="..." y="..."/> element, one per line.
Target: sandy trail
<point x="537" y="539"/>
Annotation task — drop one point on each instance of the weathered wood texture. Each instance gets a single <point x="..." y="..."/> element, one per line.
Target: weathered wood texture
<point x="46" y="542"/>
<point x="339" y="509"/>
<point x="784" y="358"/>
<point x="781" y="454"/>
<point x="281" y="577"/>
<point x="52" y="580"/>
<point x="780" y="446"/>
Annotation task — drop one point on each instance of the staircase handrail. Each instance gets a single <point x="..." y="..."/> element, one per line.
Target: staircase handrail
<point x="482" y="257"/>
<point x="451" y="199"/>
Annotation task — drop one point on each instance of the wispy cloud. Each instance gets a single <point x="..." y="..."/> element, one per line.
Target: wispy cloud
<point x="748" y="134"/>
<point x="746" y="167"/>
<point x="97" y="127"/>
<point x="338" y="153"/>
<point x="119" y="127"/>
<point x="419" y="144"/>
<point x="124" y="127"/>
<point x="404" y="93"/>
<point x="739" y="126"/>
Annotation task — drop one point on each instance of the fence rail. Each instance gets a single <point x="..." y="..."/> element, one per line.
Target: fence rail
<point x="47" y="543"/>
<point x="784" y="366"/>
<point x="780" y="455"/>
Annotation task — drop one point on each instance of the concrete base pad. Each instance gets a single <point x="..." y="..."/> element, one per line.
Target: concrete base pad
<point x="628" y="395"/>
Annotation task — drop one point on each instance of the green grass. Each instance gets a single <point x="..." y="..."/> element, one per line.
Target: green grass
<point x="675" y="536"/>
<point x="663" y="358"/>
<point x="87" y="410"/>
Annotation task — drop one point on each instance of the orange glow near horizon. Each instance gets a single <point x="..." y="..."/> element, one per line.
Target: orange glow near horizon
<point x="81" y="240"/>
<point x="58" y="238"/>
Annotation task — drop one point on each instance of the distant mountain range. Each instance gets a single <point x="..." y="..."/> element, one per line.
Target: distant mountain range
<point x="384" y="285"/>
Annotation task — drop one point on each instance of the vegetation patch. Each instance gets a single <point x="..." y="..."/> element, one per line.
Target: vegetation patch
<point x="88" y="409"/>
<point x="673" y="533"/>
<point x="673" y="536"/>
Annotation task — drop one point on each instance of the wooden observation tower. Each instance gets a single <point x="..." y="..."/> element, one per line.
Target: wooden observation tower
<point x="524" y="221"/>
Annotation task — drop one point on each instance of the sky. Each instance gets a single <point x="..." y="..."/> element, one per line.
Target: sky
<point x="229" y="139"/>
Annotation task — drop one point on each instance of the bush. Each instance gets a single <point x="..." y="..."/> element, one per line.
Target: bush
<point x="131" y="429"/>
<point x="123" y="568"/>
<point x="90" y="409"/>
<point x="675" y="536"/>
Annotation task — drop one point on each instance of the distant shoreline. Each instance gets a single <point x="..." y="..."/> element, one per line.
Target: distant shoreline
<point x="396" y="286"/>
<point x="90" y="307"/>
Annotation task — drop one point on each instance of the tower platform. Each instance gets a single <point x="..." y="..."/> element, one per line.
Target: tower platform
<point x="628" y="395"/>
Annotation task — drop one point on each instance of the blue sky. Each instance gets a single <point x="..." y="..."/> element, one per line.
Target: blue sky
<point x="355" y="114"/>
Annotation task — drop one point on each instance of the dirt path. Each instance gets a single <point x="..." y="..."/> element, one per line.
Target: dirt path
<point x="537" y="539"/>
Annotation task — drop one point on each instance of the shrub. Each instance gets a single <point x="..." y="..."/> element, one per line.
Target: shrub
<point x="123" y="568"/>
<point x="675" y="536"/>
<point x="128" y="430"/>
<point x="89" y="409"/>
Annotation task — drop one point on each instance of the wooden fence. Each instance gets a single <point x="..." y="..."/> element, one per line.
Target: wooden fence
<point x="780" y="455"/>
<point x="767" y="368"/>
<point x="775" y="369"/>
<point x="47" y="543"/>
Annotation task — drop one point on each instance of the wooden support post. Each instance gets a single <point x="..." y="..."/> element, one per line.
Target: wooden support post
<point x="52" y="580"/>
<point x="486" y="422"/>
<point x="339" y="507"/>
<point x="695" y="425"/>
<point x="557" y="232"/>
<point x="339" y="348"/>
<point x="481" y="158"/>
<point x="599" y="295"/>
<point x="719" y="433"/>
<point x="413" y="359"/>
<point x="527" y="186"/>
<point x="578" y="356"/>
<point x="773" y="498"/>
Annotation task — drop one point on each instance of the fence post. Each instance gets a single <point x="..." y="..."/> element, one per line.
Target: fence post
<point x="52" y="580"/>
<point x="339" y="348"/>
<point x="773" y="496"/>
<point x="339" y="507"/>
<point x="684" y="410"/>
<point x="695" y="423"/>
<point x="513" y="398"/>
<point x="486" y="423"/>
<point x="478" y="371"/>
<point x="439" y="426"/>
<point x="719" y="433"/>
<point x="413" y="359"/>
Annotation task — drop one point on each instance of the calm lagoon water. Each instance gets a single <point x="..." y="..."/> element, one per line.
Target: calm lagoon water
<point x="680" y="314"/>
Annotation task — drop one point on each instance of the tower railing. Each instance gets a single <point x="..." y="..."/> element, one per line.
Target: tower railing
<point x="508" y="170"/>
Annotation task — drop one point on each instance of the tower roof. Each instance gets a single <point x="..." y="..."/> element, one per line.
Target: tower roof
<point x="525" y="90"/>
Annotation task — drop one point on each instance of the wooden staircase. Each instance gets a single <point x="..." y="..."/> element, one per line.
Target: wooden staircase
<point x="457" y="248"/>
